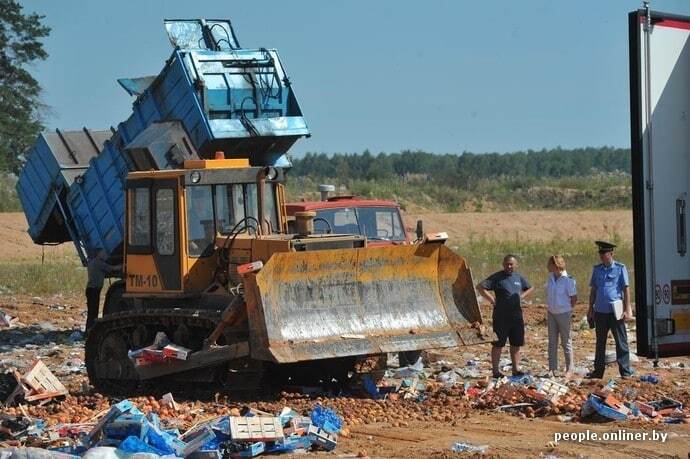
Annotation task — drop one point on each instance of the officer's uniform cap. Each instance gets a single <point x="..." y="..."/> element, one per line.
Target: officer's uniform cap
<point x="605" y="246"/>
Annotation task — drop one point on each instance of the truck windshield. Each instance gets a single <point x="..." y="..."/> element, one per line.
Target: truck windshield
<point x="376" y="223"/>
<point x="215" y="209"/>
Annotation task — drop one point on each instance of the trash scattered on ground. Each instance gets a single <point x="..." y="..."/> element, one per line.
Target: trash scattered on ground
<point x="469" y="448"/>
<point x="126" y="429"/>
<point x="650" y="378"/>
<point x="7" y="321"/>
<point x="608" y="407"/>
<point x="552" y="389"/>
<point x="39" y="384"/>
<point x="76" y="336"/>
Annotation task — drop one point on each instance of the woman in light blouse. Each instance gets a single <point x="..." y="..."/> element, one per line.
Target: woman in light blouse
<point x="561" y="296"/>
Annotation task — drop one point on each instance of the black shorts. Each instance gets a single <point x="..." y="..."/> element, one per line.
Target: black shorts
<point x="511" y="328"/>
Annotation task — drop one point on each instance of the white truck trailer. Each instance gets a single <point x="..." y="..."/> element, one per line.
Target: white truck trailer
<point x="660" y="144"/>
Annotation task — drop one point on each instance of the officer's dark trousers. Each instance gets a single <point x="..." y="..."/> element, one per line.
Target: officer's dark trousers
<point x="93" y="300"/>
<point x="602" y="324"/>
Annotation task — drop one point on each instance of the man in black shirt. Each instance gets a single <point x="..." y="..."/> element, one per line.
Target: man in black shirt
<point x="509" y="289"/>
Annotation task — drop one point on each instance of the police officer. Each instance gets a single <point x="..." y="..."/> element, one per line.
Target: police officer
<point x="609" y="283"/>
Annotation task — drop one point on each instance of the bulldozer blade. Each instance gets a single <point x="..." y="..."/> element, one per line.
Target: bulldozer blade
<point x="346" y="302"/>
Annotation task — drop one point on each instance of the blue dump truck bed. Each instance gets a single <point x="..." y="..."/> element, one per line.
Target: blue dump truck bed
<point x="52" y="166"/>
<point x="211" y="93"/>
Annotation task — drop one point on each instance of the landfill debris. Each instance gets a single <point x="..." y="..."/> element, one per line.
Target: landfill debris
<point x="462" y="447"/>
<point x="125" y="430"/>
<point x="604" y="407"/>
<point x="75" y="337"/>
<point x="160" y="351"/>
<point x="410" y="371"/>
<point x="169" y="401"/>
<point x="662" y="407"/>
<point x="552" y="389"/>
<point x="173" y="351"/>
<point x="38" y="384"/>
<point x="7" y="321"/>
<point x="256" y="428"/>
<point x="650" y="378"/>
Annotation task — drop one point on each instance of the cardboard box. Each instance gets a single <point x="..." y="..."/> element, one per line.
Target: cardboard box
<point x="174" y="351"/>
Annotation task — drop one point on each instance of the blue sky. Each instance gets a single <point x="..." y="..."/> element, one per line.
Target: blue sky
<point x="440" y="75"/>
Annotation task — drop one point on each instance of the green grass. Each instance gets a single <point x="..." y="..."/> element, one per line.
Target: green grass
<point x="49" y="278"/>
<point x="485" y="257"/>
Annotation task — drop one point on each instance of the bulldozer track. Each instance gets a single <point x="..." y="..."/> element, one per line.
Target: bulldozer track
<point x="110" y="369"/>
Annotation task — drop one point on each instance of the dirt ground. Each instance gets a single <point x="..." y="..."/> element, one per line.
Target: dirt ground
<point x="409" y="432"/>
<point x="537" y="225"/>
<point x="405" y="429"/>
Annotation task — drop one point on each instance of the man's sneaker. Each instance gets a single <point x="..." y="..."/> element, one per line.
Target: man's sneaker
<point x="594" y="375"/>
<point x="518" y="373"/>
<point x="628" y="375"/>
<point x="497" y="375"/>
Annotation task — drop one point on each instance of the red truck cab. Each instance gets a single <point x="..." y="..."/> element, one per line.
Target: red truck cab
<point x="379" y="220"/>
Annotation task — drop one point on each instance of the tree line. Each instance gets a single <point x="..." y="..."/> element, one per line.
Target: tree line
<point x="465" y="168"/>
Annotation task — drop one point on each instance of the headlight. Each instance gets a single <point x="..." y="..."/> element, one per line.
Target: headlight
<point x="196" y="176"/>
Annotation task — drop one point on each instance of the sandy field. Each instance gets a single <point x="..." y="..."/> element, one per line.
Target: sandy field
<point x="16" y="245"/>
<point x="529" y="225"/>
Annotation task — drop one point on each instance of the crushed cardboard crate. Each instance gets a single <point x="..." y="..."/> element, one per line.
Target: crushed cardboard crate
<point x="256" y="428"/>
<point x="175" y="351"/>
<point x="662" y="407"/>
<point x="39" y="384"/>
<point x="551" y="389"/>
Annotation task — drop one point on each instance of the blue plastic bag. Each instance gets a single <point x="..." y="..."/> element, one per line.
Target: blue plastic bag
<point x="326" y="419"/>
<point x="162" y="441"/>
<point x="133" y="444"/>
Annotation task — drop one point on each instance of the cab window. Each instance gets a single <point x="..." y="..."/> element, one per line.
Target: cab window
<point x="140" y="218"/>
<point x="215" y="209"/>
<point x="376" y="223"/>
<point x="200" y="222"/>
<point x="380" y="223"/>
<point x="271" y="211"/>
<point x="165" y="221"/>
<point x="341" y="221"/>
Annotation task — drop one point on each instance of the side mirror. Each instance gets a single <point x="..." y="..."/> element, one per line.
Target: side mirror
<point x="420" y="230"/>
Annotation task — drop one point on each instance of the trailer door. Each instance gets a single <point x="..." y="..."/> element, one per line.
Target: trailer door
<point x="660" y="141"/>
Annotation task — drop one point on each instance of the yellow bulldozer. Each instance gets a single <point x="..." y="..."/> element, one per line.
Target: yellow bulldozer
<point x="212" y="237"/>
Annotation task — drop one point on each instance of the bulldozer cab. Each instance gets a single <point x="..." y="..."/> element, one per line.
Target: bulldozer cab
<point x="174" y="219"/>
